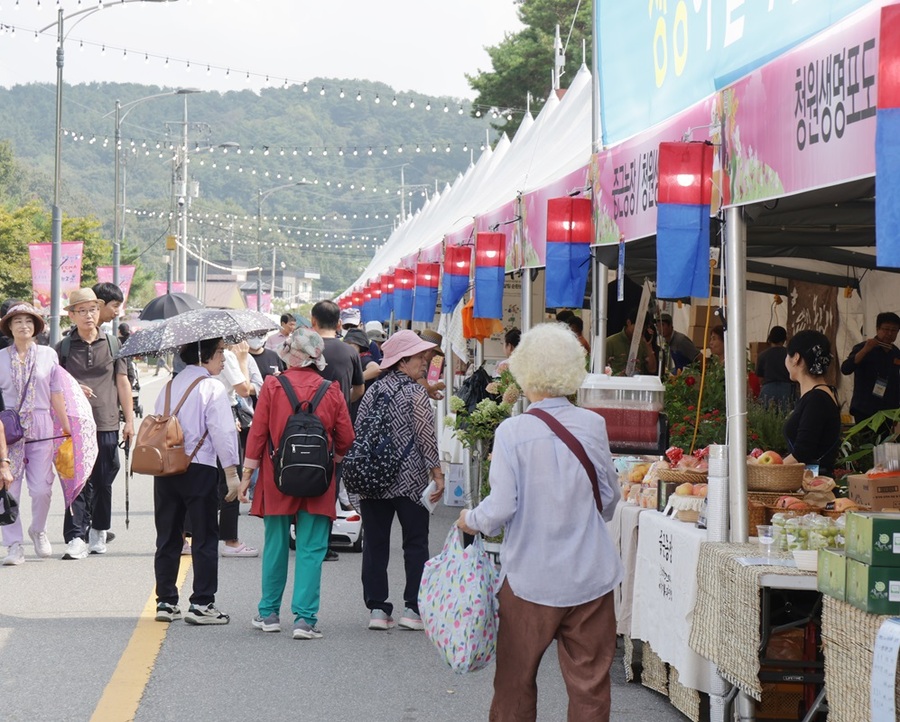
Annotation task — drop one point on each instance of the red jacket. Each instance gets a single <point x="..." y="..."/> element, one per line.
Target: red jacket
<point x="269" y="419"/>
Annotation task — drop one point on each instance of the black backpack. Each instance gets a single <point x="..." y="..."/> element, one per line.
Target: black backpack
<point x="304" y="461"/>
<point x="373" y="462"/>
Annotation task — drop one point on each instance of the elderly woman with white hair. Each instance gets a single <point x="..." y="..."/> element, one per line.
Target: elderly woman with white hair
<point x="559" y="563"/>
<point x="312" y="516"/>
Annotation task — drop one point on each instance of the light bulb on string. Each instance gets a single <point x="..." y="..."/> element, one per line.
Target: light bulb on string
<point x="428" y="105"/>
<point x="412" y="103"/>
<point x="460" y="111"/>
<point x="124" y="55"/>
<point x="322" y="91"/>
<point x="394" y="101"/>
<point x="341" y="94"/>
<point x="305" y="88"/>
<point x="377" y="98"/>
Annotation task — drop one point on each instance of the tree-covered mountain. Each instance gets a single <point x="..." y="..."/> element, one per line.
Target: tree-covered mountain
<point x="278" y="137"/>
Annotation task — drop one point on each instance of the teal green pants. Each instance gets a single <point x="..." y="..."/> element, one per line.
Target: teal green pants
<point x="313" y="532"/>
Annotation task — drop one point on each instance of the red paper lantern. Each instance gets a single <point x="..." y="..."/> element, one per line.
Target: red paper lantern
<point x="428" y="274"/>
<point x="367" y="293"/>
<point x="490" y="250"/>
<point x="458" y="260"/>
<point x="376" y="288"/>
<point x="387" y="283"/>
<point x="356" y="298"/>
<point x="403" y="279"/>
<point x="569" y="220"/>
<point x="685" y="173"/>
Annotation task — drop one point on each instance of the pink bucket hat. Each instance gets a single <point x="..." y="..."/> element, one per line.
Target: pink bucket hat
<point x="401" y="345"/>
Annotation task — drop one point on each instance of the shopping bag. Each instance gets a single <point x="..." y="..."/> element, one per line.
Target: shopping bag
<point x="458" y="603"/>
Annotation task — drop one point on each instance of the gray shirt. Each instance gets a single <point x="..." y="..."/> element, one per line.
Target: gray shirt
<point x="556" y="548"/>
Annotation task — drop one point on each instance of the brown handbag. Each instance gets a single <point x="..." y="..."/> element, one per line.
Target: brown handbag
<point x="159" y="447"/>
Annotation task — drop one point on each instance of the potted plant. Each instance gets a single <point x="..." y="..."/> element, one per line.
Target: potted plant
<point x="475" y="430"/>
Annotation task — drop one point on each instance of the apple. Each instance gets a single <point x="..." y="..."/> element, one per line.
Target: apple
<point x="685" y="489"/>
<point x="770" y="457"/>
<point x="700" y="490"/>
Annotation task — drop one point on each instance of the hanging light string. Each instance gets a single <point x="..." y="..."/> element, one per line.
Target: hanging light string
<point x="345" y="92"/>
<point x="355" y="150"/>
<point x="248" y="218"/>
<point x="350" y="235"/>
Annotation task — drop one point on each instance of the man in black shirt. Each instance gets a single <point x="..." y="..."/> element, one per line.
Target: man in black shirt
<point x="875" y="365"/>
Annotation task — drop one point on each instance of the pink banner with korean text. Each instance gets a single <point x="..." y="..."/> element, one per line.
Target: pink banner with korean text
<point x="126" y="276"/>
<point x="505" y="220"/>
<point x="624" y="177"/>
<point x="534" y="213"/>
<point x="160" y="288"/>
<point x="69" y="272"/>
<point x="805" y="120"/>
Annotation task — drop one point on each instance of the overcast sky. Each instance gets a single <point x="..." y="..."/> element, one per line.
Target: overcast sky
<point x="421" y="45"/>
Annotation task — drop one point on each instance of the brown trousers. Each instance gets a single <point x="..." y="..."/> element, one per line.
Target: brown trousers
<point x="586" y="644"/>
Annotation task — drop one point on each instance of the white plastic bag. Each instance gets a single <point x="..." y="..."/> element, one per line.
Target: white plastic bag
<point x="458" y="603"/>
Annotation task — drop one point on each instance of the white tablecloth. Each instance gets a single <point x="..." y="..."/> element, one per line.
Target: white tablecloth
<point x="665" y="591"/>
<point x="624" y="531"/>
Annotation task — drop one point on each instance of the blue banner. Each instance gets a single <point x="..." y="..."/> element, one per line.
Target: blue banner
<point x="660" y="57"/>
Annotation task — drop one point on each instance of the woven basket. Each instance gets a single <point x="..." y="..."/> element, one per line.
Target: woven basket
<point x="757" y="514"/>
<point x="775" y="477"/>
<point x="682" y="475"/>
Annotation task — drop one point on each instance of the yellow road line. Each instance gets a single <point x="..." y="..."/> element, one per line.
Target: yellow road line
<point x="120" y="699"/>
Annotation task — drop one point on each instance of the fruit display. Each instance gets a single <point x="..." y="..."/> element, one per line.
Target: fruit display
<point x="808" y="532"/>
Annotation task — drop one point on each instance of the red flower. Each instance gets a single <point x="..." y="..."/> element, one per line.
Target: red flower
<point x="690" y="381"/>
<point x="691" y="407"/>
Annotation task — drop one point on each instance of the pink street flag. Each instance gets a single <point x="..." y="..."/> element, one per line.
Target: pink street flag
<point x="126" y="276"/>
<point x="265" y="303"/>
<point x="160" y="287"/>
<point x="70" y="272"/>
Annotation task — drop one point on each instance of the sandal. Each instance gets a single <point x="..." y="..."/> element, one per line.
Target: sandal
<point x="242" y="550"/>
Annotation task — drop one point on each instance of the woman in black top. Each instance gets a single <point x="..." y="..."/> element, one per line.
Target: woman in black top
<point x="813" y="431"/>
<point x="777" y="388"/>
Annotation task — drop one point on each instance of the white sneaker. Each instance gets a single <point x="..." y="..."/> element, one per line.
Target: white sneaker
<point x="41" y="543"/>
<point x="76" y="549"/>
<point x="15" y="555"/>
<point x="97" y="541"/>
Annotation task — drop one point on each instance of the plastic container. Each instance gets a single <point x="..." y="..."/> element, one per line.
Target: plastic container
<point x="630" y="405"/>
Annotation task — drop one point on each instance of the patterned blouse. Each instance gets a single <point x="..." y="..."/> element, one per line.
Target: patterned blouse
<point x="412" y="417"/>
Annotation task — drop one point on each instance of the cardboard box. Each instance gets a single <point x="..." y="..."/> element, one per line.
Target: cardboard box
<point x="877" y="494"/>
<point x="698" y="335"/>
<point x="874" y="538"/>
<point x="872" y="589"/>
<point x="832" y="573"/>
<point x="698" y="316"/>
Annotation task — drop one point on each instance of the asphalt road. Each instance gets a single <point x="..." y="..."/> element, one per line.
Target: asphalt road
<point x="74" y="643"/>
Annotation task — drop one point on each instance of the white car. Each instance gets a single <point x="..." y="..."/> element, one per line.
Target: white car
<point x="346" y="530"/>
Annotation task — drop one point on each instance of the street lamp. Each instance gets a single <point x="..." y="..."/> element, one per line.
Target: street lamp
<point x="119" y="222"/>
<point x="56" y="227"/>
<point x="261" y="195"/>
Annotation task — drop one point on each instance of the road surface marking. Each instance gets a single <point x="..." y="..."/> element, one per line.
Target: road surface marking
<point x="123" y="693"/>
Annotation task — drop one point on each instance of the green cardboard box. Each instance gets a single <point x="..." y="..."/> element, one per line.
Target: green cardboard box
<point x="875" y="590"/>
<point x="832" y="574"/>
<point x="873" y="537"/>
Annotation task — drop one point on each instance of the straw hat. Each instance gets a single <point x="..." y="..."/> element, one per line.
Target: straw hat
<point x="83" y="295"/>
<point x="433" y="337"/>
<point x="18" y="310"/>
<point x="402" y="345"/>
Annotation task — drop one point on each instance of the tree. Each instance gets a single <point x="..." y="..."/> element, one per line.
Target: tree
<point x="523" y="62"/>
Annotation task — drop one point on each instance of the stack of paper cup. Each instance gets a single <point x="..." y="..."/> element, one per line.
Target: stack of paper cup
<point x="717" y="494"/>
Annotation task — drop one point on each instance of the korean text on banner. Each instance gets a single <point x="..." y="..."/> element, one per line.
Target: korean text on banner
<point x="656" y="60"/>
<point x="160" y="288"/>
<point x="69" y="272"/>
<point x="887" y="143"/>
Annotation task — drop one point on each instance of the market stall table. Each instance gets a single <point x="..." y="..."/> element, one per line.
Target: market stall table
<point x="848" y="637"/>
<point x="729" y="612"/>
<point x="663" y="607"/>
